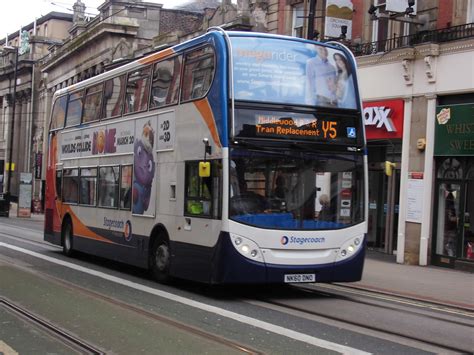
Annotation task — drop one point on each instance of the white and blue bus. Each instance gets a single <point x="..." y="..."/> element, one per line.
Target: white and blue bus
<point x="231" y="158"/>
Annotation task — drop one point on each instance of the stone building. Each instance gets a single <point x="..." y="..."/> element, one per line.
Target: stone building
<point x="23" y="141"/>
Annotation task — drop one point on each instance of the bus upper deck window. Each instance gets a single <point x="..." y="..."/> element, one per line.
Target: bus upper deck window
<point x="59" y="113"/>
<point x="165" y="86"/>
<point x="93" y="104"/>
<point x="74" y="109"/>
<point x="113" y="96"/>
<point x="199" y="71"/>
<point x="136" y="94"/>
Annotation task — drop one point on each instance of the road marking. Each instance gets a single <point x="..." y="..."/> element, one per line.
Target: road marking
<point x="202" y="306"/>
<point x="6" y="350"/>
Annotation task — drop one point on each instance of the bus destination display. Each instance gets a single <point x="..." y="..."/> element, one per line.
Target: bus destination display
<point x="296" y="126"/>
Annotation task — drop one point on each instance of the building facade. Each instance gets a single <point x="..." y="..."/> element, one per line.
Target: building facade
<point x="416" y="77"/>
<point x="21" y="116"/>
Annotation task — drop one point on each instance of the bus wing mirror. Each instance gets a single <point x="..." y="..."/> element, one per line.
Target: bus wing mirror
<point x="204" y="169"/>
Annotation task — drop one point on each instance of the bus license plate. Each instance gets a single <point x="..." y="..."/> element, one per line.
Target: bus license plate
<point x="300" y="278"/>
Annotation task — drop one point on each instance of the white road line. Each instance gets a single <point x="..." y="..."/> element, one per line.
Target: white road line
<point x="202" y="306"/>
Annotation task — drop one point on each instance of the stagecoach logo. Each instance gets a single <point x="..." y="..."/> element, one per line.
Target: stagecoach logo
<point x="127" y="231"/>
<point x="119" y="224"/>
<point x="301" y="240"/>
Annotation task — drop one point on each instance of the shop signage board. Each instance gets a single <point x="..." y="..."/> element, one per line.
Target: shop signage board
<point x="384" y="119"/>
<point x="338" y="13"/>
<point x="454" y="130"/>
<point x="415" y="197"/>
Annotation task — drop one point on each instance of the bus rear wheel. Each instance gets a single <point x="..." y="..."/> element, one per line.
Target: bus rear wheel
<point x="67" y="239"/>
<point x="160" y="261"/>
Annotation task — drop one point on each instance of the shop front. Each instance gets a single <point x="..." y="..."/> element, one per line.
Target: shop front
<point x="384" y="131"/>
<point x="453" y="230"/>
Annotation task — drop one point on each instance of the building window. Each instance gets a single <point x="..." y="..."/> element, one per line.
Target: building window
<point x="298" y="21"/>
<point x="198" y="73"/>
<point x="165" y="86"/>
<point x="109" y="186"/>
<point x="470" y="11"/>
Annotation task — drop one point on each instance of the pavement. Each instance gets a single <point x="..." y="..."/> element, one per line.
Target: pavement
<point x="453" y="288"/>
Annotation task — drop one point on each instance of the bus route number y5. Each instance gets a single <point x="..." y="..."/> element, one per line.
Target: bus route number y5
<point x="329" y="129"/>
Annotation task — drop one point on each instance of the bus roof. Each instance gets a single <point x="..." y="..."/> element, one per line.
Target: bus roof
<point x="214" y="33"/>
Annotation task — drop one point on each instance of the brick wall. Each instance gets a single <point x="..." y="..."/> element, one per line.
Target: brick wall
<point x="175" y="20"/>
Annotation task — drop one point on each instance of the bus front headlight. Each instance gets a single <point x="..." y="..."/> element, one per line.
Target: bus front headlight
<point x="247" y="247"/>
<point x="349" y="248"/>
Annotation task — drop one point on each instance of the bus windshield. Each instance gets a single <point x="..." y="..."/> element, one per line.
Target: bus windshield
<point x="289" y="189"/>
<point x="292" y="72"/>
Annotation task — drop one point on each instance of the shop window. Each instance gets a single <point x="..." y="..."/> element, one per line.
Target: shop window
<point x="136" y="94"/>
<point x="202" y="195"/>
<point x="93" y="104"/>
<point x="165" y="86"/>
<point x="450" y="168"/>
<point x="59" y="113"/>
<point x="113" y="96"/>
<point x="109" y="186"/>
<point x="126" y="187"/>
<point x="468" y="223"/>
<point x="198" y="73"/>
<point x="470" y="174"/>
<point x="74" y="109"/>
<point x="71" y="185"/>
<point x="88" y="185"/>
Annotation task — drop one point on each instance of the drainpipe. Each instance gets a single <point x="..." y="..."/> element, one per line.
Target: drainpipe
<point x="402" y="212"/>
<point x="428" y="180"/>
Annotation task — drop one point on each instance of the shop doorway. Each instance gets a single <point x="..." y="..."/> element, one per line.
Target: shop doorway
<point x="384" y="193"/>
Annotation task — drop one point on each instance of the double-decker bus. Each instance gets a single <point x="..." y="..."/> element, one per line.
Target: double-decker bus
<point x="231" y="158"/>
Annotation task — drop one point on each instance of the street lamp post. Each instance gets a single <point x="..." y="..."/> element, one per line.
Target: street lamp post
<point x="12" y="129"/>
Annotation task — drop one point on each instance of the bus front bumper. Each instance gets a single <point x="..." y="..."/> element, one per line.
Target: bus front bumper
<point x="230" y="267"/>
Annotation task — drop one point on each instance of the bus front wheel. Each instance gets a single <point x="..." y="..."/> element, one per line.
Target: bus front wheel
<point x="160" y="261"/>
<point x="67" y="239"/>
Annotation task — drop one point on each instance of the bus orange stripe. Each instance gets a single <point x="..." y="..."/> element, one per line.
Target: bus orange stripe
<point x="156" y="56"/>
<point x="80" y="229"/>
<point x="206" y="113"/>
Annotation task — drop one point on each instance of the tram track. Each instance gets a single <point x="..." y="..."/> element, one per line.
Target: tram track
<point x="286" y="307"/>
<point x="332" y="291"/>
<point x="189" y="329"/>
<point x="55" y="332"/>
